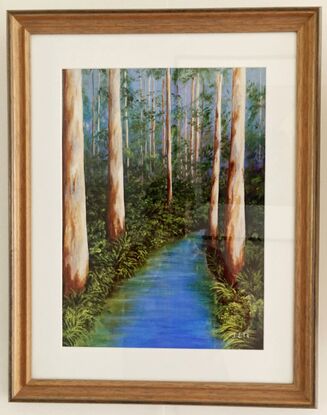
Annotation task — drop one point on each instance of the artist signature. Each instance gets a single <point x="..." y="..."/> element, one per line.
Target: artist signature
<point x="241" y="335"/>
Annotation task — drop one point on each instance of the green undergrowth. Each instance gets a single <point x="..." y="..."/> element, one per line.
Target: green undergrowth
<point x="239" y="310"/>
<point x="150" y="224"/>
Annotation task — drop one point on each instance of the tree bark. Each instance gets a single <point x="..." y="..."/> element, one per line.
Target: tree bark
<point x="163" y="119"/>
<point x="192" y="125"/>
<point x="116" y="204"/>
<point x="185" y="141"/>
<point x="126" y="118"/>
<point x="149" y="111"/>
<point x="235" y="210"/>
<point x="143" y="138"/>
<point x="93" y="113"/>
<point x="214" y="195"/>
<point x="75" y="249"/>
<point x="98" y="111"/>
<point x="197" y="128"/>
<point x="153" y="119"/>
<point x="185" y="130"/>
<point x="202" y="111"/>
<point x="179" y="118"/>
<point x="168" y="138"/>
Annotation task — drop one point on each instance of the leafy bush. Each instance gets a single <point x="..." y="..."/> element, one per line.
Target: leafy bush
<point x="239" y="311"/>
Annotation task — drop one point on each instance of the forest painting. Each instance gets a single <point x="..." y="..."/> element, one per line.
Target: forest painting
<point x="163" y="207"/>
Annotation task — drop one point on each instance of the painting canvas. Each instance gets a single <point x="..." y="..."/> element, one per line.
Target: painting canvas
<point x="163" y="207"/>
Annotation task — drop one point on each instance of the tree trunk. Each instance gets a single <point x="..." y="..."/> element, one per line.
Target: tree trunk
<point x="168" y="138"/>
<point x="98" y="111"/>
<point x="235" y="210"/>
<point x="75" y="250"/>
<point x="93" y="114"/>
<point x="144" y="131"/>
<point x="185" y="141"/>
<point x="179" y="118"/>
<point x="202" y="111"/>
<point x="149" y="111"/>
<point x="116" y="204"/>
<point x="126" y="118"/>
<point x="153" y="119"/>
<point x="185" y="130"/>
<point x="143" y="138"/>
<point x="163" y="119"/>
<point x="142" y="135"/>
<point x="214" y="196"/>
<point x="198" y="132"/>
<point x="192" y="125"/>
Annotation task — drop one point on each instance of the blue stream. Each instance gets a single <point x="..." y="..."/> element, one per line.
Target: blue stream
<point x="166" y="304"/>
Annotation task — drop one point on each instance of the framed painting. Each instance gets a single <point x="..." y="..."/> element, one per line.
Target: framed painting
<point x="164" y="199"/>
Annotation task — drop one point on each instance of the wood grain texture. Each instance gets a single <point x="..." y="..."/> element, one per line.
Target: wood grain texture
<point x="20" y="166"/>
<point x="305" y="22"/>
<point x="307" y="205"/>
<point x="164" y="21"/>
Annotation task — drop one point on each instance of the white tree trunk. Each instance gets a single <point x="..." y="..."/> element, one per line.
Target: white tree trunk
<point x="179" y="117"/>
<point x="192" y="137"/>
<point x="163" y="119"/>
<point x="143" y="138"/>
<point x="235" y="210"/>
<point x="126" y="118"/>
<point x="214" y="195"/>
<point x="150" y="119"/>
<point x="197" y="128"/>
<point x="98" y="111"/>
<point x="93" y="113"/>
<point x="153" y="119"/>
<point x="168" y="138"/>
<point x="75" y="246"/>
<point x="116" y="204"/>
<point x="185" y="131"/>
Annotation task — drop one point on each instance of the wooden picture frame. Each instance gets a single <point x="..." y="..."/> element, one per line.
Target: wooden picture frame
<point x="302" y="21"/>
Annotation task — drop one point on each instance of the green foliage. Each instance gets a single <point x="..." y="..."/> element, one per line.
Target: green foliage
<point x="238" y="311"/>
<point x="256" y="97"/>
<point x="150" y="223"/>
<point x="254" y="186"/>
<point x="74" y="322"/>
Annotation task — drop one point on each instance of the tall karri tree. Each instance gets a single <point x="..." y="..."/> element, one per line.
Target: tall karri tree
<point x="126" y="117"/>
<point x="163" y="134"/>
<point x="75" y="250"/>
<point x="192" y="135"/>
<point x="214" y="194"/>
<point x="153" y="117"/>
<point x="197" y="117"/>
<point x="235" y="209"/>
<point x="116" y="203"/>
<point x="168" y="140"/>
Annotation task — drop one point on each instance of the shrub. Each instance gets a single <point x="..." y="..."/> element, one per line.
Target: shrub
<point x="239" y="311"/>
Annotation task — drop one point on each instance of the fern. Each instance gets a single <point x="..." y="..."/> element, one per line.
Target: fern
<point x="239" y="312"/>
